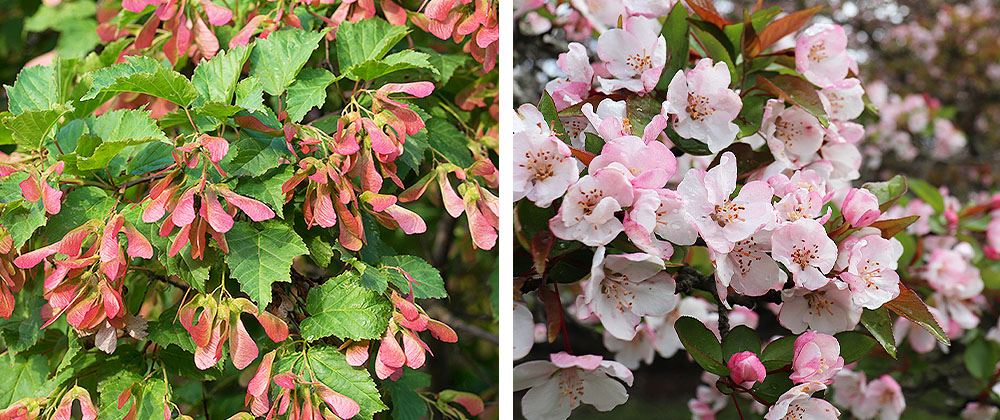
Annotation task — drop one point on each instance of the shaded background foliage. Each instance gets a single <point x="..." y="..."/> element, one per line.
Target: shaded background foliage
<point x="29" y="30"/>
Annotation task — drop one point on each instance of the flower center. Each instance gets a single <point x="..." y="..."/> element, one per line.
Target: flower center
<point x="698" y="107"/>
<point x="570" y="386"/>
<point x="819" y="303"/>
<point x="590" y="200"/>
<point x="804" y="253"/>
<point x="871" y="271"/>
<point x="727" y="213"/>
<point x="639" y="61"/>
<point x="817" y="51"/>
<point x="540" y="164"/>
<point x="613" y="287"/>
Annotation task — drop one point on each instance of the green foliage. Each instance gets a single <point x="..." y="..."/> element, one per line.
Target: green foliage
<point x="343" y="308"/>
<point x="262" y="255"/>
<point x="701" y="344"/>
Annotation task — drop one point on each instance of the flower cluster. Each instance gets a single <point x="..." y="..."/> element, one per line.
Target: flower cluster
<point x="611" y="157"/>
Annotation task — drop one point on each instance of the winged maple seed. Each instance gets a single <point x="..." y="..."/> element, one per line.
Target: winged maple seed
<point x="212" y="324"/>
<point x="305" y="398"/>
<point x="86" y="282"/>
<point x="11" y="279"/>
<point x="408" y="319"/>
<point x="172" y="195"/>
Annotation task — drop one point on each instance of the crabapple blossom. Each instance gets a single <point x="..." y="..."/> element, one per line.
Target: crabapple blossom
<point x="558" y="386"/>
<point x="745" y="369"/>
<point x="659" y="214"/>
<point x="793" y="135"/>
<point x="804" y="248"/>
<point x="843" y="100"/>
<point x="524" y="330"/>
<point x="849" y="387"/>
<point x="949" y="272"/>
<point x="528" y="119"/>
<point x="860" y="207"/>
<point x="623" y="288"/>
<point x="634" y="55"/>
<point x="821" y="54"/>
<point x="632" y="353"/>
<point x="828" y="309"/>
<point x="588" y="209"/>
<point x="748" y="268"/>
<point x="702" y="105"/>
<point x="871" y="270"/>
<point x="543" y="168"/>
<point x="816" y="358"/>
<point x="978" y="411"/>
<point x="633" y="154"/>
<point x="883" y="399"/>
<point x="575" y="87"/>
<point x="722" y="221"/>
<point x="798" y="403"/>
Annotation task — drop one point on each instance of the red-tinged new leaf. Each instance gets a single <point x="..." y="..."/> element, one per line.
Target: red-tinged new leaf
<point x="705" y="9"/>
<point x="781" y="28"/>
<point x="909" y="305"/>
<point x="891" y="227"/>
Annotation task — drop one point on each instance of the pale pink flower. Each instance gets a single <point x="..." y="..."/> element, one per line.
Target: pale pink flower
<point x="588" y="210"/>
<point x="633" y="353"/>
<point x="634" y="56"/>
<point x="883" y="399"/>
<point x="642" y="220"/>
<point x="871" y="270"/>
<point x="558" y="386"/>
<point x="843" y="100"/>
<point x="524" y="330"/>
<point x="708" y="402"/>
<point x="860" y="207"/>
<point x="746" y="369"/>
<point x="798" y="402"/>
<point x="806" y="251"/>
<point x="529" y="119"/>
<point x="977" y="411"/>
<point x="600" y="14"/>
<point x="821" y="54"/>
<point x="649" y="165"/>
<point x="793" y="135"/>
<point x="850" y="388"/>
<point x="816" y="358"/>
<point x="623" y="288"/>
<point x="722" y="221"/>
<point x="748" y="268"/>
<point x="844" y="158"/>
<point x="828" y="309"/>
<point x="702" y="105"/>
<point x="649" y="8"/>
<point x="801" y="204"/>
<point x="575" y="87"/>
<point x="950" y="273"/>
<point x="608" y="119"/>
<point x="543" y="168"/>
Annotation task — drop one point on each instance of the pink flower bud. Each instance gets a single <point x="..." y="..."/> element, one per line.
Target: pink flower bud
<point x="860" y="207"/>
<point x="746" y="369"/>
